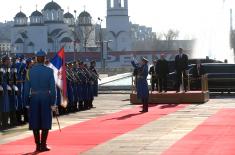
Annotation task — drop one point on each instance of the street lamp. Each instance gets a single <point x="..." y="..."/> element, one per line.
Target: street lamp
<point x="75" y="35"/>
<point x="105" y="54"/>
<point x="101" y="45"/>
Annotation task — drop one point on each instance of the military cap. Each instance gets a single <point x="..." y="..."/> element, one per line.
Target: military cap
<point x="28" y="60"/>
<point x="145" y="59"/>
<point x="41" y="53"/>
<point x="93" y="61"/>
<point x="5" y="58"/>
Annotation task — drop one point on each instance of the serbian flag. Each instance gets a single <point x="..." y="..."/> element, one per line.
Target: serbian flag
<point x="58" y="66"/>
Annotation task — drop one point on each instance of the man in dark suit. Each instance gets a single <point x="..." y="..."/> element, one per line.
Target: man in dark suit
<point x="152" y="72"/>
<point x="181" y="65"/>
<point x="162" y="72"/>
<point x="197" y="72"/>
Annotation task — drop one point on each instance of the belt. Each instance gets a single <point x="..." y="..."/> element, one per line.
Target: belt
<point x="40" y="92"/>
<point x="139" y="77"/>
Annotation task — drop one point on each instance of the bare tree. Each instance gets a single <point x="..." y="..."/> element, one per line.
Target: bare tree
<point x="84" y="33"/>
<point x="171" y="34"/>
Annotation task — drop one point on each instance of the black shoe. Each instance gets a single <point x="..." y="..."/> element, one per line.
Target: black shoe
<point x="44" y="148"/>
<point x="143" y="111"/>
<point x="38" y="148"/>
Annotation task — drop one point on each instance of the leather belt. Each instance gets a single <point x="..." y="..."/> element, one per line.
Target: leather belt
<point x="40" y="92"/>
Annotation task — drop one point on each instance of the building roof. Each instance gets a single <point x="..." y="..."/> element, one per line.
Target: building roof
<point x="19" y="41"/>
<point x="20" y="15"/>
<point x="31" y="44"/>
<point x="84" y="14"/>
<point x="36" y="13"/>
<point x="66" y="39"/>
<point x="50" y="40"/>
<point x="52" y="6"/>
<point x="68" y="15"/>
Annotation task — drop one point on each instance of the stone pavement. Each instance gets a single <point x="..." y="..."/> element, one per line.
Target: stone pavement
<point x="152" y="138"/>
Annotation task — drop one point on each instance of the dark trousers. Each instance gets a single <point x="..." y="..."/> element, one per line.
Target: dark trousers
<point x="154" y="84"/>
<point x="13" y="121"/>
<point x="40" y="140"/>
<point x="163" y="83"/>
<point x="4" y="119"/>
<point x="179" y="76"/>
<point x="145" y="104"/>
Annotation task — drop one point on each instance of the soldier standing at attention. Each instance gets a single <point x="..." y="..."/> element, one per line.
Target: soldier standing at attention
<point x="141" y="83"/>
<point x="5" y="103"/>
<point x="40" y="89"/>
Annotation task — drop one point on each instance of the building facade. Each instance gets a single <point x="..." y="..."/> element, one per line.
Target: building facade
<point x="49" y="30"/>
<point x="118" y="25"/>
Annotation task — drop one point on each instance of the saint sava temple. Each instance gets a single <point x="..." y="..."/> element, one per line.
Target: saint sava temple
<point x="52" y="28"/>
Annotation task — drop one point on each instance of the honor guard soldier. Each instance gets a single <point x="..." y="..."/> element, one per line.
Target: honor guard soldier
<point x="81" y="86"/>
<point x="21" y="72"/>
<point x="29" y="65"/>
<point x="89" y="96"/>
<point x="41" y="91"/>
<point x="70" y="87"/>
<point x="141" y="83"/>
<point x="94" y="80"/>
<point x="5" y="103"/>
<point x="13" y="94"/>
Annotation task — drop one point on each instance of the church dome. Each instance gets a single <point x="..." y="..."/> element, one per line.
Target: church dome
<point x="52" y="6"/>
<point x="36" y="13"/>
<point x="20" y="15"/>
<point x="84" y="14"/>
<point x="68" y="15"/>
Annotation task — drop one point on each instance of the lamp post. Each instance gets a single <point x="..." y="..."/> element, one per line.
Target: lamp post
<point x="105" y="54"/>
<point x="101" y="45"/>
<point x="75" y="35"/>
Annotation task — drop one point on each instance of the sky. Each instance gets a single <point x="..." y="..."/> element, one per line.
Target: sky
<point x="161" y="15"/>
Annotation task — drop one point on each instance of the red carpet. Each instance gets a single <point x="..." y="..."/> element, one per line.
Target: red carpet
<point x="84" y="136"/>
<point x="215" y="136"/>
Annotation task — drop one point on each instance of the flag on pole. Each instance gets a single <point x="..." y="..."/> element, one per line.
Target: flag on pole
<point x="58" y="66"/>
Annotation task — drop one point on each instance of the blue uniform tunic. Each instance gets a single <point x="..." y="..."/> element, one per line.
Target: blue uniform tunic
<point x="20" y="66"/>
<point x="5" y="103"/>
<point x="41" y="83"/>
<point x="141" y="83"/>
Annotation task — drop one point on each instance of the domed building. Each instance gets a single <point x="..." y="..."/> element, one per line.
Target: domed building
<point x="51" y="29"/>
<point x="87" y="31"/>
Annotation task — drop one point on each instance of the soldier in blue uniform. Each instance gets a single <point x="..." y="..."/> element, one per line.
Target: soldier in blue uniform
<point x="40" y="89"/>
<point x="95" y="78"/>
<point x="5" y="103"/>
<point x="141" y="83"/>
<point x="21" y="72"/>
<point x="81" y="86"/>
<point x="13" y="94"/>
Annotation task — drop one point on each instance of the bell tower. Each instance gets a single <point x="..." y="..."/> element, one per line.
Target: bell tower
<point x="118" y="25"/>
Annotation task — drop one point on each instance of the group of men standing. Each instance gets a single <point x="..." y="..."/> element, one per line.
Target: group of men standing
<point x="12" y="105"/>
<point x="159" y="72"/>
<point x="28" y="93"/>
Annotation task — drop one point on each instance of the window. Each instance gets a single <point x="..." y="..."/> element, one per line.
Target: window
<point x="112" y="3"/>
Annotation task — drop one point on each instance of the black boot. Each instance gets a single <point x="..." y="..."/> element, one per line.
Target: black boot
<point x="44" y="141"/>
<point x="36" y="135"/>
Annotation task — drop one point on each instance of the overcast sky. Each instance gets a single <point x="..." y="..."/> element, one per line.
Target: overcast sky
<point x="183" y="15"/>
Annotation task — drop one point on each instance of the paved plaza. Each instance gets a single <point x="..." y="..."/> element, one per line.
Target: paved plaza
<point x="154" y="137"/>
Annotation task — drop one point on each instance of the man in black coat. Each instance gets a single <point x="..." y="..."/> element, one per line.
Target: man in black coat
<point x="197" y="72"/>
<point x="152" y="72"/>
<point x="181" y="65"/>
<point x="162" y="72"/>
